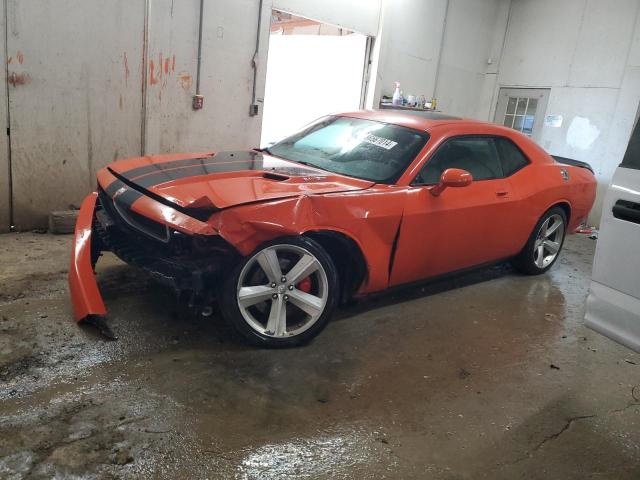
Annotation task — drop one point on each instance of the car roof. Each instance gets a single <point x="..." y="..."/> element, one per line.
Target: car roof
<point x="416" y="119"/>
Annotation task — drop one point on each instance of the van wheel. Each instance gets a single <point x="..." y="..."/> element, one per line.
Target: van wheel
<point x="283" y="294"/>
<point x="544" y="244"/>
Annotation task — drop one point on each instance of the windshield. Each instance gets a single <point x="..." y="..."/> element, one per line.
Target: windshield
<point x="351" y="146"/>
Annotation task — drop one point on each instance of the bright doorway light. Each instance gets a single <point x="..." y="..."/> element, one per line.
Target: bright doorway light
<point x="313" y="70"/>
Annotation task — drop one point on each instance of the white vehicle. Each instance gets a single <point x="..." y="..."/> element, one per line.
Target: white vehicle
<point x="613" y="305"/>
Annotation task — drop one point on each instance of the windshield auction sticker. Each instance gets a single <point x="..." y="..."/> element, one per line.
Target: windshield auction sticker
<point x="380" y="142"/>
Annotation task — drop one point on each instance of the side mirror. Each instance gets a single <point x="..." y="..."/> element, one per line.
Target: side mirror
<point x="452" y="177"/>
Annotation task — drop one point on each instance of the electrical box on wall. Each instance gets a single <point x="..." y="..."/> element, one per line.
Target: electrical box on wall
<point x="253" y="109"/>
<point x="198" y="102"/>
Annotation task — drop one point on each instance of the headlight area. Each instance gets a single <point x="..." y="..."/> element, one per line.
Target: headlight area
<point x="190" y="264"/>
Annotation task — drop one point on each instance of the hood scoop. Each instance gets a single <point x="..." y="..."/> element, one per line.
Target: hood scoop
<point x="278" y="177"/>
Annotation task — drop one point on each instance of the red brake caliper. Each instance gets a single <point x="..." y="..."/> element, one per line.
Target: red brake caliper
<point x="305" y="285"/>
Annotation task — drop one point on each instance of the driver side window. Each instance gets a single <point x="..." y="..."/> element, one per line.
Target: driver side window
<point x="476" y="155"/>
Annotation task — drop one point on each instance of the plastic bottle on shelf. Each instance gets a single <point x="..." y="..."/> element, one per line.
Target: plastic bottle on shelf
<point x="397" y="96"/>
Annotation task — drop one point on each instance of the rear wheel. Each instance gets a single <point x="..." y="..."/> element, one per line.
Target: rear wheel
<point x="283" y="294"/>
<point x="544" y="244"/>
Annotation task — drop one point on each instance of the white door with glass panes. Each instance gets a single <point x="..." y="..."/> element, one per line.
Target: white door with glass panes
<point x="522" y="109"/>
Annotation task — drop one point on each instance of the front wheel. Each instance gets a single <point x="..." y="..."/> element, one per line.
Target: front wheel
<point x="544" y="244"/>
<point x="283" y="294"/>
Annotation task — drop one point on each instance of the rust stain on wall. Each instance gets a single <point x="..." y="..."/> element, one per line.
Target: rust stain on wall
<point x="19" y="79"/>
<point x="9" y="60"/>
<point x="126" y="69"/>
<point x="159" y="72"/>
<point x="120" y="103"/>
<point x="185" y="81"/>
<point x="20" y="57"/>
<point x="152" y="74"/>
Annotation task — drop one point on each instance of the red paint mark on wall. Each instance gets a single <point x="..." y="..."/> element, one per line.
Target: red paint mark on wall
<point x="126" y="69"/>
<point x="152" y="73"/>
<point x="159" y="72"/>
<point x="20" y="58"/>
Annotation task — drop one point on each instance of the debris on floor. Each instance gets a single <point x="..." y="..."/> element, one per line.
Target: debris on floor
<point x="591" y="232"/>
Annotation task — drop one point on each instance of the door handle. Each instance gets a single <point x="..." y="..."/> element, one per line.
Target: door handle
<point x="502" y="193"/>
<point x="627" y="211"/>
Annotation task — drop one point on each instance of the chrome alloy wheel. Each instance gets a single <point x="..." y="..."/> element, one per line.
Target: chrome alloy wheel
<point x="548" y="241"/>
<point x="282" y="291"/>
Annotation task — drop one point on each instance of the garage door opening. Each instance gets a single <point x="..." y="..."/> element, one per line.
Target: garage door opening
<point x="313" y="69"/>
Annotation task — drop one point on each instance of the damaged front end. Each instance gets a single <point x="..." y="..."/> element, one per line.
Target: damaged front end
<point x="159" y="242"/>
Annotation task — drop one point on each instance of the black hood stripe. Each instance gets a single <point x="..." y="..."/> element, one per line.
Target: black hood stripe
<point x="126" y="198"/>
<point x="221" y="163"/>
<point x="200" y="170"/>
<point x="113" y="187"/>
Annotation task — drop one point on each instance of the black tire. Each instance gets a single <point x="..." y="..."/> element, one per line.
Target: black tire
<point x="229" y="287"/>
<point x="525" y="262"/>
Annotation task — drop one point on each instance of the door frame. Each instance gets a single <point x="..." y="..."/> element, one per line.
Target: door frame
<point x="366" y="70"/>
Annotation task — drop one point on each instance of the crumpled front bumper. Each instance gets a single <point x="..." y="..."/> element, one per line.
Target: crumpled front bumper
<point x="85" y="295"/>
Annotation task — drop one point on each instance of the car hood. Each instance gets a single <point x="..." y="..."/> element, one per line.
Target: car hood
<point x="226" y="179"/>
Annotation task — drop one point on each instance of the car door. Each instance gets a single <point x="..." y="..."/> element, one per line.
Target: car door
<point x="462" y="227"/>
<point x="613" y="304"/>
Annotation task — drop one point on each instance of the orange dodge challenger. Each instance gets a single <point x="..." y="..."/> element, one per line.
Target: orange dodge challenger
<point x="352" y="204"/>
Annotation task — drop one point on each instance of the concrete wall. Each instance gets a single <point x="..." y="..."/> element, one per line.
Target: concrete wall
<point x="229" y="39"/>
<point x="588" y="53"/>
<point x="411" y="36"/>
<point x="470" y="58"/>
<point x="75" y="104"/>
<point x="448" y="49"/>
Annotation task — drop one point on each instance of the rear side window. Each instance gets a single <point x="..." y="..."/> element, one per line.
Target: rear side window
<point x="632" y="157"/>
<point x="476" y="155"/>
<point x="511" y="156"/>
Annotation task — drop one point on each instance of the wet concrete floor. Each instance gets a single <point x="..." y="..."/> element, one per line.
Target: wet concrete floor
<point x="487" y="375"/>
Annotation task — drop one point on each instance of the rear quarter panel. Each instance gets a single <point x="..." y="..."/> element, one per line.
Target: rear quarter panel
<point x="542" y="186"/>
